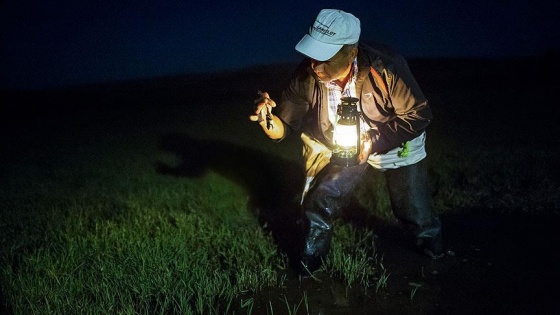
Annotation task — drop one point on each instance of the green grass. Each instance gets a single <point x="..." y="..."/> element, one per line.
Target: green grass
<point x="112" y="236"/>
<point x="98" y="231"/>
<point x="352" y="257"/>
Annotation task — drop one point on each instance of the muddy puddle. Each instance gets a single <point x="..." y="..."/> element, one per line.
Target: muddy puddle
<point x="497" y="264"/>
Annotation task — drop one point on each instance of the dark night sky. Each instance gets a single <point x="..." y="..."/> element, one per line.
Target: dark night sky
<point x="47" y="43"/>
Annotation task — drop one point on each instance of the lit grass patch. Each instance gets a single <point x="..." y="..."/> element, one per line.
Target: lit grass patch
<point x="145" y="261"/>
<point x="111" y="236"/>
<point x="352" y="257"/>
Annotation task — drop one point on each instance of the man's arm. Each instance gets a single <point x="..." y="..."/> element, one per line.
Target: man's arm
<point x="413" y="114"/>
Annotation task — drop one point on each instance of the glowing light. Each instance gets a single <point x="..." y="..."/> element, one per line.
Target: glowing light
<point x="345" y="136"/>
<point x="346" y="133"/>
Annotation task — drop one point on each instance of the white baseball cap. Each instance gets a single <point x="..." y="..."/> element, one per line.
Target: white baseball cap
<point x="332" y="29"/>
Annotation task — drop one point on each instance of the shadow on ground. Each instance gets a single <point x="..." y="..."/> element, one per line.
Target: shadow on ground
<point x="273" y="184"/>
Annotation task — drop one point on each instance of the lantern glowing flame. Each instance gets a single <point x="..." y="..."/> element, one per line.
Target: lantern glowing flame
<point x="346" y="136"/>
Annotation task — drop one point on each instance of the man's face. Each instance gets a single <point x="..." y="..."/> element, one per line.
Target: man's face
<point x="335" y="68"/>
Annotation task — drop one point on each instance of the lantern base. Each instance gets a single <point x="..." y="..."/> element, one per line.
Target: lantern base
<point x="344" y="160"/>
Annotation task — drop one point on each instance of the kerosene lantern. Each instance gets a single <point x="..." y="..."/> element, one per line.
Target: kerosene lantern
<point x="346" y="136"/>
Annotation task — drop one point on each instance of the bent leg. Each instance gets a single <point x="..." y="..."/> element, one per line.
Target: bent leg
<point x="322" y="205"/>
<point x="412" y="206"/>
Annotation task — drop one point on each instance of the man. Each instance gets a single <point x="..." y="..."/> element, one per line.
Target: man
<point x="394" y="116"/>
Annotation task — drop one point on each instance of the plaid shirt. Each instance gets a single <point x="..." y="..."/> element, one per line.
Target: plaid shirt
<point x="335" y="93"/>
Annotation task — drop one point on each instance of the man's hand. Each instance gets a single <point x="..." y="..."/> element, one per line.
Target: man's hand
<point x="263" y="109"/>
<point x="271" y="125"/>
<point x="365" y="148"/>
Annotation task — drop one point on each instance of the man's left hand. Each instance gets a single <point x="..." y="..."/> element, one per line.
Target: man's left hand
<point x="365" y="149"/>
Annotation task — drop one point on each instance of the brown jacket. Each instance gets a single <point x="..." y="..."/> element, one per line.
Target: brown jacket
<point x="393" y="105"/>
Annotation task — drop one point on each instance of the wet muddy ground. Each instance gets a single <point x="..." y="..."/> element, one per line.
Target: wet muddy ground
<point x="498" y="264"/>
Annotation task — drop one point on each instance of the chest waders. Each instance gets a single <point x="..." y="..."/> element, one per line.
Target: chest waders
<point x="410" y="200"/>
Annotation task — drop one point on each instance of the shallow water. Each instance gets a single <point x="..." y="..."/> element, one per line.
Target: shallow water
<point x="496" y="264"/>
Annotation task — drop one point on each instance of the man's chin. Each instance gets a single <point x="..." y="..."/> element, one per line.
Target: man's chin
<point x="323" y="78"/>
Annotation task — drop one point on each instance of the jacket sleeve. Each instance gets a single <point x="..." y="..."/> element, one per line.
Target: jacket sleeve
<point x="412" y="113"/>
<point x="294" y="103"/>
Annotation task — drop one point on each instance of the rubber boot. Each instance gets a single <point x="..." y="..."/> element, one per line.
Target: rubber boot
<point x="412" y="206"/>
<point x="322" y="205"/>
